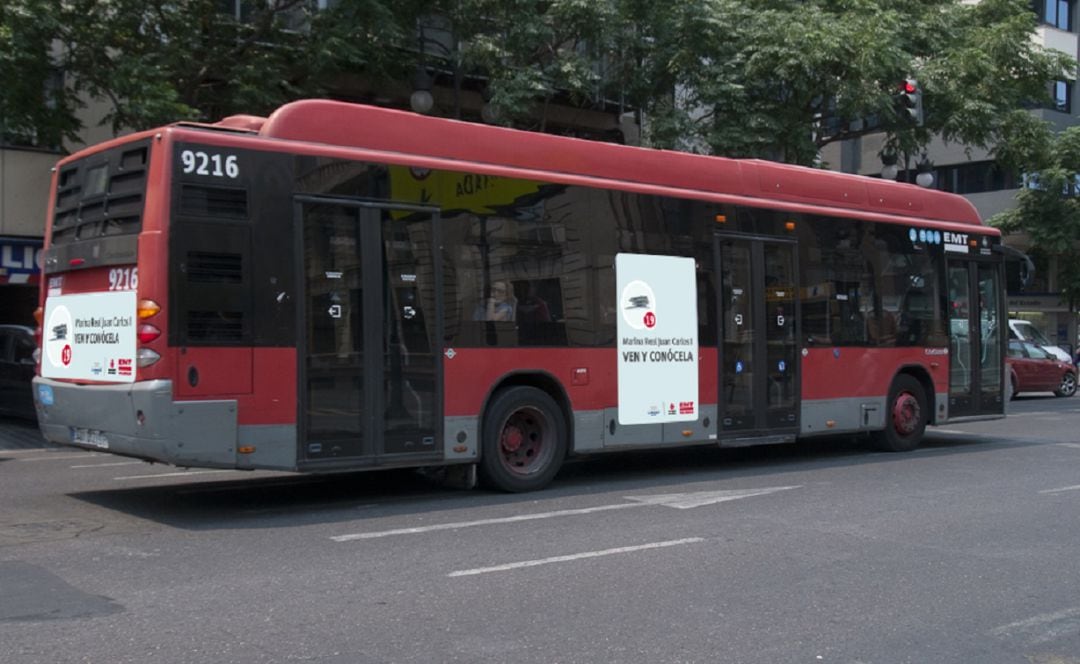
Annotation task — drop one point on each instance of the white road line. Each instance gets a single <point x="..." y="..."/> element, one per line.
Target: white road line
<point x="62" y="457"/>
<point x="106" y="465"/>
<point x="15" y="453"/>
<point x="937" y="430"/>
<point x="575" y="556"/>
<point x="483" y="522"/>
<point x="180" y="474"/>
<point x="685" y="501"/>
<point x="1075" y="487"/>
<point x="677" y="500"/>
<point x="1075" y="446"/>
<point x="1045" y="627"/>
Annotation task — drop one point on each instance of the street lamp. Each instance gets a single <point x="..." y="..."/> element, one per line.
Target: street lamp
<point x="421" y="100"/>
<point x="889" y="171"/>
<point x="925" y="178"/>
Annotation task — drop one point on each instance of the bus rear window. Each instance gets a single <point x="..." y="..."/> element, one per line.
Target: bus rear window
<point x="102" y="194"/>
<point x="97" y="179"/>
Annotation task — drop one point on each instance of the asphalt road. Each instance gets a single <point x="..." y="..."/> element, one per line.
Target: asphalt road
<point x="963" y="551"/>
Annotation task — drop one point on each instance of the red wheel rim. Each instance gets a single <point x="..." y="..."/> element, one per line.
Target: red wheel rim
<point x="526" y="442"/>
<point x="906" y="414"/>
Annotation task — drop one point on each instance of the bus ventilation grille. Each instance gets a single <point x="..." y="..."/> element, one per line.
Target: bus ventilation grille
<point x="204" y="267"/>
<point x="101" y="195"/>
<point x="215" y="326"/>
<point x="210" y="201"/>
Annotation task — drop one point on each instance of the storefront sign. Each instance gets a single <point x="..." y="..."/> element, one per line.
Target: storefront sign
<point x="19" y="260"/>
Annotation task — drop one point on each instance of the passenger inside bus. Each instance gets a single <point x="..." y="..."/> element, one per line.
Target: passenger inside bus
<point x="533" y="309"/>
<point x="500" y="306"/>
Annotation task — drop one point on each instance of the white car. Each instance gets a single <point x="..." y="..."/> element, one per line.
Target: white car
<point x="1025" y="330"/>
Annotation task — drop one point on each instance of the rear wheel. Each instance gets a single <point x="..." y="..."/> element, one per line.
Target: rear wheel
<point x="524" y="440"/>
<point x="905" y="419"/>
<point x="1068" y="385"/>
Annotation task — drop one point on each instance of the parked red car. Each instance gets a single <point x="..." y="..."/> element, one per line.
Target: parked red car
<point x="1032" y="369"/>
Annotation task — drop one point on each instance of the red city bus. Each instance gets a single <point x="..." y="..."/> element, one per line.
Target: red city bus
<point x="340" y="287"/>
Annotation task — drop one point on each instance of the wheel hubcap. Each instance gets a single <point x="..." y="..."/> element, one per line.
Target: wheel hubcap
<point x="906" y="413"/>
<point x="525" y="442"/>
<point x="512" y="438"/>
<point x="1068" y="384"/>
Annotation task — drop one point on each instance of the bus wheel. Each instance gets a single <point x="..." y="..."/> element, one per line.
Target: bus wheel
<point x="905" y="419"/>
<point x="524" y="440"/>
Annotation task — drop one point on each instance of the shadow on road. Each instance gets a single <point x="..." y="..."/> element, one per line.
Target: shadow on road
<point x="298" y="500"/>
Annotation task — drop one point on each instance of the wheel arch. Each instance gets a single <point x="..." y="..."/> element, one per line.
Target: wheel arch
<point x="541" y="380"/>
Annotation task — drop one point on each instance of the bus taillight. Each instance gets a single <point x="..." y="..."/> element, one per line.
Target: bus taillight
<point x="145" y="357"/>
<point x="39" y="315"/>
<point x="147" y="333"/>
<point x="147" y="308"/>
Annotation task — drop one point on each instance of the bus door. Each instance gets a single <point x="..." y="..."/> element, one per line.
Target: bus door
<point x="759" y="367"/>
<point x="976" y="338"/>
<point x="368" y="376"/>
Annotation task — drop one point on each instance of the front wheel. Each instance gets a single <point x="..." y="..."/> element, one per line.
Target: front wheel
<point x="905" y="420"/>
<point x="524" y="440"/>
<point x="1068" y="385"/>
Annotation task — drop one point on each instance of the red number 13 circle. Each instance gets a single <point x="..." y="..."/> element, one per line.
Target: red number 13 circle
<point x="65" y="355"/>
<point x="650" y="319"/>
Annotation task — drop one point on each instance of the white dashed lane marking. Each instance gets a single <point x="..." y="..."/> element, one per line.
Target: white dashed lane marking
<point x="574" y="556"/>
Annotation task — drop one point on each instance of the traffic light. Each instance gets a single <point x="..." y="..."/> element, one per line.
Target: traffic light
<point x="909" y="102"/>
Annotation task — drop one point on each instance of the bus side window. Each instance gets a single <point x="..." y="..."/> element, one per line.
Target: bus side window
<point x="539" y="312"/>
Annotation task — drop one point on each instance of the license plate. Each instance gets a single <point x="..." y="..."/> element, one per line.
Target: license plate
<point x="91" y="437"/>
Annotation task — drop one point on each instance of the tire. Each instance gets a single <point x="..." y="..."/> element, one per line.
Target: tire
<point x="1068" y="385"/>
<point x="524" y="440"/>
<point x="905" y="417"/>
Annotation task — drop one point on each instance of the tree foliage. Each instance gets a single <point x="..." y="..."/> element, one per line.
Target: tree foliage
<point x="776" y="78"/>
<point x="158" y="61"/>
<point x="1048" y="209"/>
<point x="783" y="78"/>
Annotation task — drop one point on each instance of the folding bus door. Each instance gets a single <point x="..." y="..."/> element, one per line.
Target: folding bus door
<point x="976" y="337"/>
<point x="759" y="368"/>
<point x="368" y="377"/>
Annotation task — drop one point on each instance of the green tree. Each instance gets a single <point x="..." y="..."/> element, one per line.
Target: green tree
<point x="31" y="112"/>
<point x="783" y="78"/>
<point x="1048" y="209"/>
<point x="159" y="61"/>
<point x="778" y="78"/>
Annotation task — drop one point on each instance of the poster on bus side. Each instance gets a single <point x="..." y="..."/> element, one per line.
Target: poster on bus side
<point x="657" y="338"/>
<point x="90" y="336"/>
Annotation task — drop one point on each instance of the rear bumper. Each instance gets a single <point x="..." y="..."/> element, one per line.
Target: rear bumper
<point x="140" y="420"/>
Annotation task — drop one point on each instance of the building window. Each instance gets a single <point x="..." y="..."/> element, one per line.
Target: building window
<point x="970" y="178"/>
<point x="1055" y="13"/>
<point x="1063" y="96"/>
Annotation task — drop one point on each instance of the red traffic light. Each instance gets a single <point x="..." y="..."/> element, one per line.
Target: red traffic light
<point x="909" y="87"/>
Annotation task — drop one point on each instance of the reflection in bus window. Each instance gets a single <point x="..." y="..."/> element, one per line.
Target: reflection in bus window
<point x="867" y="285"/>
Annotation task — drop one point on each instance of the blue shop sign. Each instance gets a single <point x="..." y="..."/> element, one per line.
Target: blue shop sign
<point x="20" y="260"/>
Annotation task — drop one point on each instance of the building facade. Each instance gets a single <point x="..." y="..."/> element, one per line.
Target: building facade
<point x="973" y="173"/>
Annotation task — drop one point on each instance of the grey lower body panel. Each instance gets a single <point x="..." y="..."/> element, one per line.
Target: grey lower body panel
<point x="141" y="420"/>
<point x="847" y="415"/>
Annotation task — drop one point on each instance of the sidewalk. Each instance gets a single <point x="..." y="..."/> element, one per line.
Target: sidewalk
<point x="16" y="434"/>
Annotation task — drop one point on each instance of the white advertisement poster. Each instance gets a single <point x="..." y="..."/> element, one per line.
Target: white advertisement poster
<point x="657" y="340"/>
<point x="90" y="336"/>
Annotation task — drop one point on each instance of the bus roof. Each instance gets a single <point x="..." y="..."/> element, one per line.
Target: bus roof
<point x="354" y="125"/>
